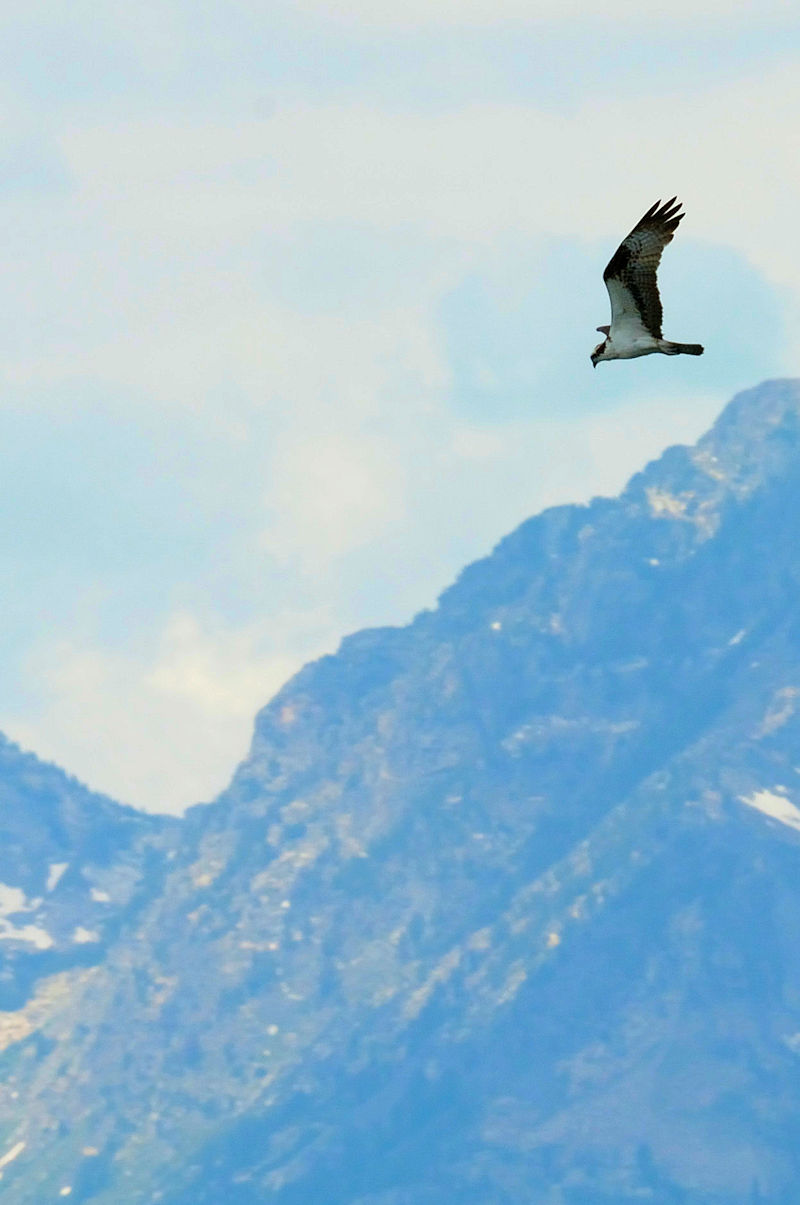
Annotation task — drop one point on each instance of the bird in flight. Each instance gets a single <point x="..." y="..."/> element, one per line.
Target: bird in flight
<point x="630" y="278"/>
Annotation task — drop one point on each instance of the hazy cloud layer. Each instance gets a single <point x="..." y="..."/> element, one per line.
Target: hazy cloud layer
<point x="287" y="337"/>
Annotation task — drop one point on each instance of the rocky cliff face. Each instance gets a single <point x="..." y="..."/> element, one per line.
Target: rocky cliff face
<point x="503" y="906"/>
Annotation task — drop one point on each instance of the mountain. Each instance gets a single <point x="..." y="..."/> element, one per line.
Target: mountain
<point x="72" y="863"/>
<point x="502" y="907"/>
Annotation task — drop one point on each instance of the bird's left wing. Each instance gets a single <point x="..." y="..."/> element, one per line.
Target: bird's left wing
<point x="630" y="276"/>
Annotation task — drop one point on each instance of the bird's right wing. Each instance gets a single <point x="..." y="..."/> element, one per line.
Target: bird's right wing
<point x="630" y="276"/>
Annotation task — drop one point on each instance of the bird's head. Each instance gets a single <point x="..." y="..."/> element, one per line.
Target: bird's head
<point x="599" y="351"/>
<point x="597" y="354"/>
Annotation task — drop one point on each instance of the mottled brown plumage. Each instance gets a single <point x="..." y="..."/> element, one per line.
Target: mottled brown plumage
<point x="630" y="277"/>
<point x="635" y="262"/>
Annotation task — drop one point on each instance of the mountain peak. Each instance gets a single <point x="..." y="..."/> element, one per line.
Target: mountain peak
<point x="756" y="437"/>
<point x="754" y="446"/>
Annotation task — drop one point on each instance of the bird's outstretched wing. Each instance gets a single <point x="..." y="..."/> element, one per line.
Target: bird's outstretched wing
<point x="631" y="272"/>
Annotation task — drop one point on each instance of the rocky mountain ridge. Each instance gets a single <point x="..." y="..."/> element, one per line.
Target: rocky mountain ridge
<point x="502" y="906"/>
<point x="71" y="864"/>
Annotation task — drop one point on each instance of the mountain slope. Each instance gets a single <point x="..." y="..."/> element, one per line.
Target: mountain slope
<point x="503" y="906"/>
<point x="71" y="863"/>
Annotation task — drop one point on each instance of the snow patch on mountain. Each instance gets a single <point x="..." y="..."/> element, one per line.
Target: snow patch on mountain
<point x="55" y="872"/>
<point x="13" y="901"/>
<point x="777" y="807"/>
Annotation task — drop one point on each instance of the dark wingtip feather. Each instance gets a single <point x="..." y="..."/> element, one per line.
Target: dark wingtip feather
<point x="667" y="215"/>
<point x="659" y="219"/>
<point x="670" y="208"/>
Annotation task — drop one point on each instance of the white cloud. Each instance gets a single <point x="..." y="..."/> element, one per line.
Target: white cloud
<point x="475" y="173"/>
<point x="165" y="732"/>
<point x="161" y="263"/>
<point x="332" y="494"/>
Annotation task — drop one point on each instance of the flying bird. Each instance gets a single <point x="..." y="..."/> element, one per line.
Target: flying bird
<point x="635" y="302"/>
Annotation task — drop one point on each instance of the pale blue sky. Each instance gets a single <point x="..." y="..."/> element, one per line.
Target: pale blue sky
<point x="298" y="302"/>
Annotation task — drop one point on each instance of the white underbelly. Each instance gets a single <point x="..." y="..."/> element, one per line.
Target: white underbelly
<point x="629" y="349"/>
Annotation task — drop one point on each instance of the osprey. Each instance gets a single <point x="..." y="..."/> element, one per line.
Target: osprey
<point x="631" y="282"/>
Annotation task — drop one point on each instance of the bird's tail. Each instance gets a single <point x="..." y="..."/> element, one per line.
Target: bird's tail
<point x="683" y="349"/>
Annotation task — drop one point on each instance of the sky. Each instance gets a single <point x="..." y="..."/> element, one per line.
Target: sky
<point x="298" y="301"/>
